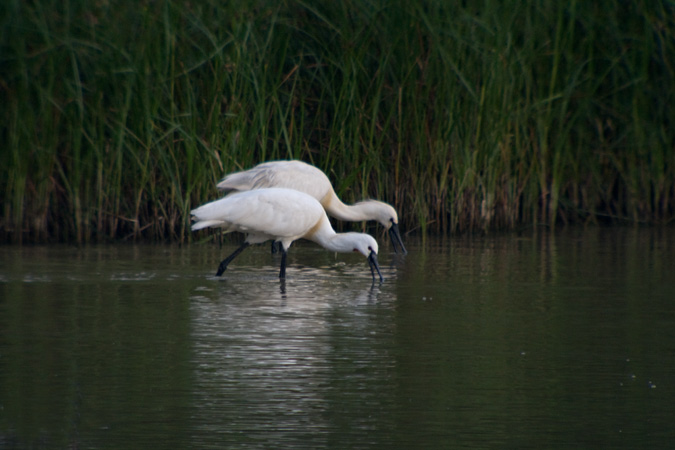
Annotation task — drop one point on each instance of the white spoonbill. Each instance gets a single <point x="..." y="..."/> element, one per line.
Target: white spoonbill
<point x="283" y="215"/>
<point x="306" y="178"/>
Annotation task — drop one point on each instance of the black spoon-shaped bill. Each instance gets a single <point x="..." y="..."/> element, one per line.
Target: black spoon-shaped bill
<point x="372" y="261"/>
<point x="396" y="241"/>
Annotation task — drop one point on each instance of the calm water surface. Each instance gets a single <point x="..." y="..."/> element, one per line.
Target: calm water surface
<point x="562" y="340"/>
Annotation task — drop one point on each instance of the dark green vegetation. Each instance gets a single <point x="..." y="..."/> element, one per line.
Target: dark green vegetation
<point x="119" y="117"/>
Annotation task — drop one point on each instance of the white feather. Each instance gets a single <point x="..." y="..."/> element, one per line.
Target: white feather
<point x="283" y="215"/>
<point x="306" y="178"/>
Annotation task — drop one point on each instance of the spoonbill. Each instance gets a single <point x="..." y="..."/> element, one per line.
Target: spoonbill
<point x="306" y="178"/>
<point x="283" y="215"/>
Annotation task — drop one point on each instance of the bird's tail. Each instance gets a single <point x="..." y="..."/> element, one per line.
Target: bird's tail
<point x="206" y="223"/>
<point x="238" y="181"/>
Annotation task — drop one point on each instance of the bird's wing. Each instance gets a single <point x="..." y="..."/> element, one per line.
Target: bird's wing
<point x="280" y="174"/>
<point x="282" y="213"/>
<point x="274" y="212"/>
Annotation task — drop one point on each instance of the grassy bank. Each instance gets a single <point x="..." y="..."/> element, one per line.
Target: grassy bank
<point x="119" y="117"/>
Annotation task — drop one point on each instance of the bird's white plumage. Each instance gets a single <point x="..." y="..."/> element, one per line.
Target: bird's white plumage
<point x="280" y="214"/>
<point x="296" y="175"/>
<point x="306" y="178"/>
<point x="277" y="214"/>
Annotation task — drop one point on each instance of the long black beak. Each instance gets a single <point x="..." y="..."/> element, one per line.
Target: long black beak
<point x="396" y="240"/>
<point x="372" y="261"/>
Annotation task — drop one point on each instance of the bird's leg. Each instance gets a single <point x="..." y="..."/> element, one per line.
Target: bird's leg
<point x="224" y="263"/>
<point x="282" y="288"/>
<point x="282" y="272"/>
<point x="276" y="247"/>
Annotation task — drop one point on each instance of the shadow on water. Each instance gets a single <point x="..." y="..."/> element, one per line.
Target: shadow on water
<point x="527" y="341"/>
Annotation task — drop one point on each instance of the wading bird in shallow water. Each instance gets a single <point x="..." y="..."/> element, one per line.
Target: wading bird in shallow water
<point x="283" y="215"/>
<point x="310" y="180"/>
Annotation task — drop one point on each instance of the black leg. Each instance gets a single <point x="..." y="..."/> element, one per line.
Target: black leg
<point x="224" y="263"/>
<point x="274" y="247"/>
<point x="282" y="287"/>
<point x="282" y="272"/>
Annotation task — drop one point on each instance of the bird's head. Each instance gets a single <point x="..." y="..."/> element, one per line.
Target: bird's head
<point x="367" y="246"/>
<point x="364" y="244"/>
<point x="387" y="216"/>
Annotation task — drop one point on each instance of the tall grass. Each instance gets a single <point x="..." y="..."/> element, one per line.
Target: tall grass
<point x="119" y="117"/>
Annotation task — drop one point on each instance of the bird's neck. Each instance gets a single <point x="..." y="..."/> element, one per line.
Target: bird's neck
<point x="352" y="213"/>
<point x="324" y="235"/>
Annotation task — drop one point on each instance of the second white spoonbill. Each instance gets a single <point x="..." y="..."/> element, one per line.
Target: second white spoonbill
<point x="283" y="215"/>
<point x="306" y="178"/>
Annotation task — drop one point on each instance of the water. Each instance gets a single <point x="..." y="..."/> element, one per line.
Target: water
<point x="562" y="340"/>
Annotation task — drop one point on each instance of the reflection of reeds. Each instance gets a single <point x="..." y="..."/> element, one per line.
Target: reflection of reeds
<point x="118" y="118"/>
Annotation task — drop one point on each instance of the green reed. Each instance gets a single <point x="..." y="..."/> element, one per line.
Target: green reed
<point x="119" y="117"/>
